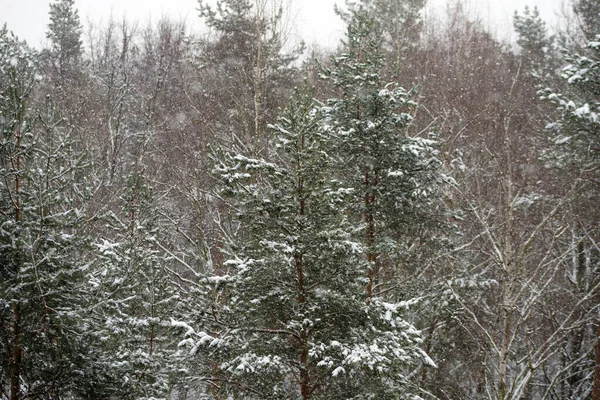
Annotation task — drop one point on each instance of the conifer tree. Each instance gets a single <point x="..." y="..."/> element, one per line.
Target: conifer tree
<point x="61" y="65"/>
<point x="576" y="133"/>
<point x="45" y="341"/>
<point x="249" y="68"/>
<point x="299" y="315"/>
<point x="575" y="152"/>
<point x="292" y="320"/>
<point x="579" y="107"/>
<point x="400" y="23"/>
<point x="64" y="33"/>
<point x="588" y="12"/>
<point x="533" y="39"/>
<point x="134" y="298"/>
<point x="395" y="179"/>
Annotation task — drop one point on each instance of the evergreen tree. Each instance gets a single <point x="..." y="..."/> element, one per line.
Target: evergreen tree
<point x="64" y="33"/>
<point x="578" y="127"/>
<point x="62" y="68"/>
<point x="576" y="154"/>
<point x="588" y="12"/>
<point x="292" y="319"/>
<point x="248" y="68"/>
<point x="134" y="298"/>
<point x="299" y="312"/>
<point x="401" y="23"/>
<point x="395" y="179"/>
<point x="533" y="39"/>
<point x="44" y="351"/>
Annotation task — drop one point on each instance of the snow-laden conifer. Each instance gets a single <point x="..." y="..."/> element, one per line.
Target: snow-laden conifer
<point x="394" y="178"/>
<point x="45" y="346"/>
<point x="290" y="319"/>
<point x="135" y="299"/>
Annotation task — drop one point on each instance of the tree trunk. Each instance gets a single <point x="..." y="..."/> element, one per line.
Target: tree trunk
<point x="596" y="390"/>
<point x="305" y="381"/>
<point x="15" y="373"/>
<point x="304" y="372"/>
<point x="369" y="219"/>
<point x="15" y="369"/>
<point x="260" y="14"/>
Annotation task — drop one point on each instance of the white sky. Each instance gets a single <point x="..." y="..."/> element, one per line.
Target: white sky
<point x="315" y="19"/>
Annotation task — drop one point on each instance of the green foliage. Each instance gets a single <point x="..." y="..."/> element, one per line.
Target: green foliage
<point x="250" y="68"/>
<point x="395" y="179"/>
<point x="588" y="12"/>
<point x="533" y="37"/>
<point x="64" y="33"/>
<point x="578" y="129"/>
<point x="17" y="78"/>
<point x="293" y="318"/>
<point x="293" y="314"/>
<point x="400" y="25"/>
<point x="134" y="298"/>
<point x="45" y="346"/>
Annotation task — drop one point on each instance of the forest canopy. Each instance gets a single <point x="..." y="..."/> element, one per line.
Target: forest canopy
<point x="230" y="214"/>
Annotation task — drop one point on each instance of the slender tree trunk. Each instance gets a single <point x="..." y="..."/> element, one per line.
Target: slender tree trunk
<point x="370" y="234"/>
<point x="508" y="278"/>
<point x="305" y="384"/>
<point x="503" y="368"/>
<point x="15" y="374"/>
<point x="304" y="372"/>
<point x="15" y="378"/>
<point x="596" y="390"/>
<point x="260" y="13"/>
<point x="214" y="388"/>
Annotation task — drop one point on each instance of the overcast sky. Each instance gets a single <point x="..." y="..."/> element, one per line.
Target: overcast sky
<point x="315" y="19"/>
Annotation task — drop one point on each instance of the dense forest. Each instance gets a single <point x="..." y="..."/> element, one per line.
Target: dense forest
<point x="230" y="214"/>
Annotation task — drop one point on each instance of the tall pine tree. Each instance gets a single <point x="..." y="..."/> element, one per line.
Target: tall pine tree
<point x="300" y="311"/>
<point x="292" y="319"/>
<point x="395" y="179"/>
<point x="64" y="33"/>
<point x="45" y="346"/>
<point x="576" y="153"/>
<point x="134" y="298"/>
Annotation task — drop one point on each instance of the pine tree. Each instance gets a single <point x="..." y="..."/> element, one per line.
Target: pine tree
<point x="577" y="129"/>
<point x="299" y="312"/>
<point x="395" y="179"/>
<point x="64" y="33"/>
<point x="248" y="67"/>
<point x="62" y="67"/>
<point x="533" y="39"/>
<point x="135" y="299"/>
<point x="575" y="153"/>
<point x="579" y="126"/>
<point x="44" y="350"/>
<point x="588" y="12"/>
<point x="300" y="301"/>
<point x="401" y="23"/>
<point x="292" y="320"/>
